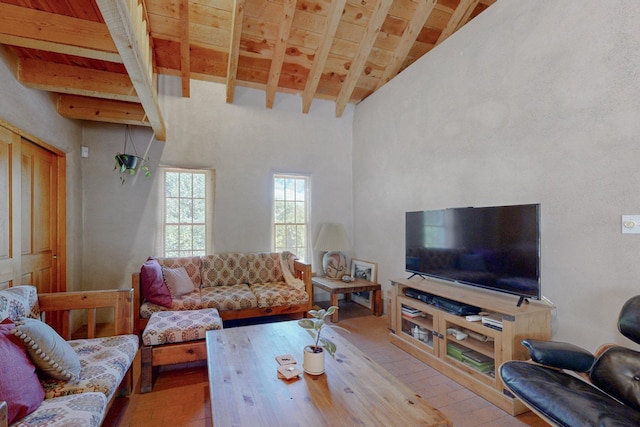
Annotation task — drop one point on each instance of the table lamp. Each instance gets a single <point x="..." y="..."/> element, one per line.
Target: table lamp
<point x="332" y="239"/>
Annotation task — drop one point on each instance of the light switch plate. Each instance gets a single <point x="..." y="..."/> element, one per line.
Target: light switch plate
<point x="84" y="152"/>
<point x="630" y="224"/>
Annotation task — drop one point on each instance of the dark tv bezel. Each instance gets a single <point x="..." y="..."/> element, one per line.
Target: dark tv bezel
<point x="449" y="280"/>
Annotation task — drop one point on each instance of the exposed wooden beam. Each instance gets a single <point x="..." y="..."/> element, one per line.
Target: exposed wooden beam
<point x="424" y="9"/>
<point x="320" y="59"/>
<point x="35" y="29"/>
<point x="456" y="18"/>
<point x="234" y="48"/>
<point x="467" y="14"/>
<point x="101" y="110"/>
<point x="70" y="79"/>
<point x="279" y="50"/>
<point x="185" y="51"/>
<point x="125" y="20"/>
<point x="357" y="65"/>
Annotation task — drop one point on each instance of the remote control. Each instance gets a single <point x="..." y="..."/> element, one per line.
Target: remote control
<point x="474" y="318"/>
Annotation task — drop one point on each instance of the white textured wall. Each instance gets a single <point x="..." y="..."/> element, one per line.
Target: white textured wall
<point x="244" y="142"/>
<point x="533" y="102"/>
<point x="34" y="112"/>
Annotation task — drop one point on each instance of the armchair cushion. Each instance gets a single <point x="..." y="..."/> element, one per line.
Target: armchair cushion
<point x="564" y="399"/>
<point x="19" y="384"/>
<point x="178" y="281"/>
<point x="617" y="372"/>
<point x="560" y="355"/>
<point x="48" y="350"/>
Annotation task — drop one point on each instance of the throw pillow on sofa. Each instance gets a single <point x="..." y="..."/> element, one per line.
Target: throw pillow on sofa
<point x="19" y="384"/>
<point x="178" y="281"/>
<point x="152" y="283"/>
<point x="48" y="350"/>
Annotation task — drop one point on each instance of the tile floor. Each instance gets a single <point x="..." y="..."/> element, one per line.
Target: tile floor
<point x="180" y="396"/>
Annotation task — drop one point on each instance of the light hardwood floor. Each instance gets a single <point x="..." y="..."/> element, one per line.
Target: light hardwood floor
<point x="180" y="396"/>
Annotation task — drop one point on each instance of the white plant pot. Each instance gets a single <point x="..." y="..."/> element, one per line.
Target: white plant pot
<point x="313" y="363"/>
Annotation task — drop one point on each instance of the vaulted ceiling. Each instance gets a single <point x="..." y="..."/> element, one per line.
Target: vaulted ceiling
<point x="101" y="57"/>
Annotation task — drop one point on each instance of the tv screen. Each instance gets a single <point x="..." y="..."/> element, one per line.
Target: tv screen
<point x="496" y="248"/>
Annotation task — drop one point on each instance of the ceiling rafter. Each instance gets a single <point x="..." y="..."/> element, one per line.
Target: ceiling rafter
<point x="64" y="78"/>
<point x="126" y="23"/>
<point x="234" y="48"/>
<point x="320" y="59"/>
<point x="409" y="36"/>
<point x="185" y="50"/>
<point x="35" y="29"/>
<point x="101" y="110"/>
<point x="457" y="18"/>
<point x="279" y="50"/>
<point x="360" y="60"/>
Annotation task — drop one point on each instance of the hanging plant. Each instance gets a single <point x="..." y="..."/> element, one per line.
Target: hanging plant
<point x="130" y="164"/>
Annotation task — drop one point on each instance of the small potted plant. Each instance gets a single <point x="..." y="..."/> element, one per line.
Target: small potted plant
<point x="313" y="362"/>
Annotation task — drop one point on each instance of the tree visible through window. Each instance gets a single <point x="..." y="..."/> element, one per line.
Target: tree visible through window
<point x="291" y="213"/>
<point x="185" y="212"/>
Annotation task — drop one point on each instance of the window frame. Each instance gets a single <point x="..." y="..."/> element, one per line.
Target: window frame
<point x="306" y="256"/>
<point x="209" y="180"/>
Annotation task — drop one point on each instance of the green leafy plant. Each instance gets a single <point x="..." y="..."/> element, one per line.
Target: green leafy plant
<point x="130" y="164"/>
<point x="314" y="327"/>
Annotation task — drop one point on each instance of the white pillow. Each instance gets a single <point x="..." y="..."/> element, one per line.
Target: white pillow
<point x="48" y="350"/>
<point x="178" y="281"/>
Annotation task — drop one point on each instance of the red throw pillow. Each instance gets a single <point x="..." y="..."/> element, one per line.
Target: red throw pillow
<point x="19" y="384"/>
<point x="153" y="287"/>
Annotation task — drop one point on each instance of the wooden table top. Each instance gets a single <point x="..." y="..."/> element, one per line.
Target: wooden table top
<point x="337" y="286"/>
<point x="245" y="389"/>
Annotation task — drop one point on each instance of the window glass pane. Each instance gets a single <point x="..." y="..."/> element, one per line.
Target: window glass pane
<point x="278" y="187"/>
<point x="198" y="210"/>
<point x="289" y="189"/>
<point x="172" y="237"/>
<point x="186" y="211"/>
<point x="198" y="185"/>
<point x="171" y="184"/>
<point x="198" y="237"/>
<point x="280" y="236"/>
<point x="300" y="235"/>
<point x="300" y="216"/>
<point x="186" y="189"/>
<point x="172" y="212"/>
<point x="300" y="189"/>
<point x="290" y="212"/>
<point x="279" y="211"/>
<point x="186" y="242"/>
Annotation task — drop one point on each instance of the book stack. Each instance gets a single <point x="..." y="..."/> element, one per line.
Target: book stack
<point x="478" y="361"/>
<point x="410" y="312"/>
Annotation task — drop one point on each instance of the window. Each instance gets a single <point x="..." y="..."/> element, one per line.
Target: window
<point x="291" y="214"/>
<point x="188" y="212"/>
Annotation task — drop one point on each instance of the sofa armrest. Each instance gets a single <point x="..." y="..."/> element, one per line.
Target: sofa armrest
<point x="303" y="271"/>
<point x="560" y="355"/>
<point x="120" y="300"/>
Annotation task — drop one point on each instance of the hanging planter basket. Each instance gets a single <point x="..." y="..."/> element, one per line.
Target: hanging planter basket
<point x="130" y="164"/>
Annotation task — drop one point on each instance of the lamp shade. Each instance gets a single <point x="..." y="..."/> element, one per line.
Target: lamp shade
<point x="332" y="237"/>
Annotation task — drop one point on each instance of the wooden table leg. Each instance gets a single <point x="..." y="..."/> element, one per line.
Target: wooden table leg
<point x="334" y="301"/>
<point x="377" y="302"/>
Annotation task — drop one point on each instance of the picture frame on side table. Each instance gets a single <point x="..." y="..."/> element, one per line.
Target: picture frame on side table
<point x="365" y="270"/>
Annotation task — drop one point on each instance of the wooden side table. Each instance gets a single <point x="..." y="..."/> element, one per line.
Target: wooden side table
<point x="337" y="286"/>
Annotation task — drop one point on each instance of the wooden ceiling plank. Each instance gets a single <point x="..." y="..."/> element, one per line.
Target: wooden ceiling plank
<point x="101" y="110"/>
<point x="409" y="36"/>
<point x="456" y="18"/>
<point x="234" y="49"/>
<point x="467" y="14"/>
<point x="185" y="51"/>
<point x="360" y="60"/>
<point x="320" y="59"/>
<point x="70" y="79"/>
<point x="279" y="50"/>
<point x="31" y="28"/>
<point x="126" y="23"/>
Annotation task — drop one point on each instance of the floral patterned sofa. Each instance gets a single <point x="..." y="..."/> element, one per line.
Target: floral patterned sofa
<point x="211" y="289"/>
<point x="104" y="366"/>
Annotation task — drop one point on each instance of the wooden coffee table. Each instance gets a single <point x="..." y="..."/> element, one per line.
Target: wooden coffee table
<point x="337" y="286"/>
<point x="354" y="390"/>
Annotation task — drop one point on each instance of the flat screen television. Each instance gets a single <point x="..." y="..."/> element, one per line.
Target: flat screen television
<point x="496" y="248"/>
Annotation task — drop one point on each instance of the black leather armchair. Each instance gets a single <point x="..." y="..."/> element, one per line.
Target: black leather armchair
<point x="577" y="388"/>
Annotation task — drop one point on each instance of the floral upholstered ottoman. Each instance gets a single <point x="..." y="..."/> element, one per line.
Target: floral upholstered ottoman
<point x="167" y="330"/>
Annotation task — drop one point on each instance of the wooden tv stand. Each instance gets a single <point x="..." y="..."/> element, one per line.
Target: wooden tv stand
<point x="473" y="361"/>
